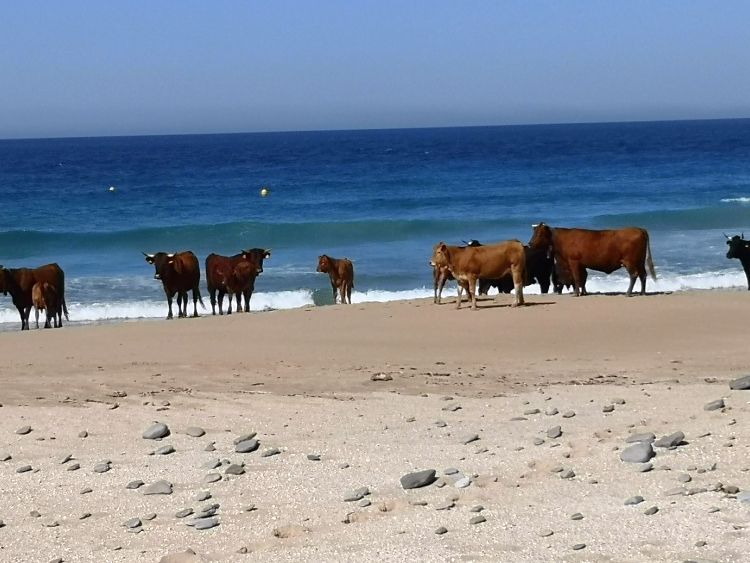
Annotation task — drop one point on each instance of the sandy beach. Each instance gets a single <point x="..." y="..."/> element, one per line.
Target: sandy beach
<point x="477" y="393"/>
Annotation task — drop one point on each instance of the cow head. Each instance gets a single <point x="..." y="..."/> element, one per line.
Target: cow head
<point x="439" y="256"/>
<point x="541" y="237"/>
<point x="324" y="264"/>
<point x="161" y="262"/>
<point x="257" y="255"/>
<point x="738" y="247"/>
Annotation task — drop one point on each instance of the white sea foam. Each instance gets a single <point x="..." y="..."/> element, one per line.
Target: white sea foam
<point x="743" y="199"/>
<point x="156" y="309"/>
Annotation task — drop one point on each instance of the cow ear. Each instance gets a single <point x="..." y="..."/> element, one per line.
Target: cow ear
<point x="267" y="254"/>
<point x="443" y="247"/>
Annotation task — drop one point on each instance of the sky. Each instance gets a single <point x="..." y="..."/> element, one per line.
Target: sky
<point x="90" y="68"/>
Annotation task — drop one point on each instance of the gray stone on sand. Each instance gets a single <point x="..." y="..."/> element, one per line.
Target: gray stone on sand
<point x="364" y="503"/>
<point x="183" y="513"/>
<point x="450" y="471"/>
<point x="568" y="414"/>
<point x="445" y="505"/>
<point x="453" y="407"/>
<point x="670" y="441"/>
<point x="529" y="412"/>
<point x="554" y="432"/>
<point x="637" y="499"/>
<point x="652" y="510"/>
<point x="644" y="467"/>
<point x="546" y="533"/>
<point x="244" y="437"/>
<point x="102" y="467"/>
<point x="205" y="523"/>
<point x="684" y="478"/>
<point x="235" y="469"/>
<point x="86" y="490"/>
<point x="576" y="516"/>
<point x="83" y="434"/>
<point x="203" y="495"/>
<point x="741" y="383"/>
<point x="195" y="431"/>
<point x="164" y="450"/>
<point x="66" y="459"/>
<point x="187" y="556"/>
<point x="150" y="516"/>
<point x="476" y="508"/>
<point x="23" y="430"/>
<point x="462" y="483"/>
<point x="567" y="474"/>
<point x="210" y="447"/>
<point x="270" y="452"/>
<point x="73" y="467"/>
<point x="441" y="530"/>
<point x="714" y="405"/>
<point x="134" y="484"/>
<point x="418" y="479"/>
<point x="156" y="431"/>
<point x="469" y="438"/>
<point x="23" y="469"/>
<point x="160" y="487"/>
<point x="478" y="519"/>
<point x="579" y="546"/>
<point x="640" y="452"/>
<point x="313" y="457"/>
<point x="247" y="446"/>
<point x="551" y="411"/>
<point x="133" y="523"/>
<point x="538" y="441"/>
<point x="212" y="478"/>
<point x="744" y="497"/>
<point x="641" y="437"/>
<point x="608" y="408"/>
<point x="5" y="457"/>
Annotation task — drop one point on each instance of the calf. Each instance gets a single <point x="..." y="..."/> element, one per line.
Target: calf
<point x="44" y="298"/>
<point x="341" y="272"/>
<point x="740" y="248"/>
<point x="235" y="281"/>
<point x="469" y="264"/>
<point x="219" y="268"/>
<point x="19" y="282"/>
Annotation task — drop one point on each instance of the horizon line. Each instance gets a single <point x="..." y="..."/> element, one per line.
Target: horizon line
<point x="337" y="130"/>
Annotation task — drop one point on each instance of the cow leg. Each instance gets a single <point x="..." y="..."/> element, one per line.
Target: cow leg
<point x="248" y="293"/>
<point x="47" y="324"/>
<point x="461" y="285"/>
<point x="196" y="292"/>
<point x="36" y="317"/>
<point x="575" y="272"/>
<point x="221" y="301"/>
<point x="238" y="297"/>
<point x="335" y="289"/>
<point x="169" y="302"/>
<point x="349" y="292"/>
<point x="212" y="297"/>
<point x="435" y="280"/>
<point x="518" y="283"/>
<point x="471" y="289"/>
<point x="440" y="285"/>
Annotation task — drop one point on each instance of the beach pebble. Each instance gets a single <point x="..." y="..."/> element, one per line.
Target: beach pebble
<point x="568" y="414"/>
<point x="453" y="407"/>
<point x="567" y="474"/>
<point x="381" y="377"/>
<point x="469" y="438"/>
<point x="133" y="523"/>
<point x="462" y="483"/>
<point x="235" y="469"/>
<point x="538" y="441"/>
<point x="203" y="495"/>
<point x="66" y="459"/>
<point x="639" y="452"/>
<point x="744" y="497"/>
<point x="134" y="484"/>
<point x="450" y="471"/>
<point x="674" y="491"/>
<point x="86" y="490"/>
<point x="441" y="530"/>
<point x="84" y="516"/>
<point x="244" y="437"/>
<point x="608" y="408"/>
<point x="637" y="499"/>
<point x="247" y="446"/>
<point x="644" y="467"/>
<point x="740" y="383"/>
<point x="156" y="431"/>
<point x="23" y="430"/>
<point x="551" y="411"/>
<point x="618" y="401"/>
<point x="642" y="437"/>
<point x="270" y="451"/>
<point x="476" y="508"/>
<point x="714" y="405"/>
<point x="353" y="496"/>
<point x="102" y="467"/>
<point x="554" y="432"/>
<point x="35" y="514"/>
<point x="205" y="523"/>
<point x="150" y="516"/>
<point x="577" y="516"/>
<point x="212" y="463"/>
<point x="73" y="467"/>
<point x="579" y="546"/>
<point x="5" y="457"/>
<point x="164" y="450"/>
<point x="670" y="441"/>
<point x="183" y="513"/>
<point x="529" y="412"/>
<point x="187" y="556"/>
<point x="684" y="478"/>
<point x="313" y="457"/>
<point x="83" y="434"/>
<point x="195" y="431"/>
<point x="652" y="510"/>
<point x="546" y="533"/>
<point x="478" y="519"/>
<point x="160" y="487"/>
<point x="212" y="478"/>
<point x="364" y="503"/>
<point x="23" y="469"/>
<point x="51" y="524"/>
<point x="210" y="447"/>
<point x="418" y="479"/>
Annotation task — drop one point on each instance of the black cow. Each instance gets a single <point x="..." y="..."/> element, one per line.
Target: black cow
<point x="740" y="248"/>
<point x="539" y="268"/>
<point x="178" y="273"/>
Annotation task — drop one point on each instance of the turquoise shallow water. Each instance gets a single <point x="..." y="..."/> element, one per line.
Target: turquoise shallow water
<point x="382" y="198"/>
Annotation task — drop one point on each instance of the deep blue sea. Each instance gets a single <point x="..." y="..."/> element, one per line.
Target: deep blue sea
<point x="382" y="198"/>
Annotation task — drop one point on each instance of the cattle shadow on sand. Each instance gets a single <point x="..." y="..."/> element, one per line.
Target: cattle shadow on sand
<point x="491" y="303"/>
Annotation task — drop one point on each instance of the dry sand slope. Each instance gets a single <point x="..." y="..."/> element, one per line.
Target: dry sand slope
<point x="523" y="413"/>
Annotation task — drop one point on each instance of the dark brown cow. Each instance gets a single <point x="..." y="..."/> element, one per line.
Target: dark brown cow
<point x="19" y="282"/>
<point x="179" y="273"/>
<point x="603" y="251"/>
<point x="469" y="264"/>
<point x="341" y="272"/>
<point x="563" y="279"/>
<point x="220" y="268"/>
<point x="539" y="266"/>
<point x="44" y="298"/>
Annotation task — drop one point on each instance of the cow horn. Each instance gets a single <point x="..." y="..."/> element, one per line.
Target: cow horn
<point x="170" y="255"/>
<point x="726" y="235"/>
<point x="147" y="255"/>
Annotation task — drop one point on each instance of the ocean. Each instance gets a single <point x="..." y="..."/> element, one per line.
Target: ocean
<point x="382" y="198"/>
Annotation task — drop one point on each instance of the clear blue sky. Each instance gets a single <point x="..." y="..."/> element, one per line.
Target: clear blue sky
<point x="147" y="67"/>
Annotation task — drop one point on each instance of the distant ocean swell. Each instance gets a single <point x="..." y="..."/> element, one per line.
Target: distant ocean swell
<point x="20" y="244"/>
<point x="98" y="311"/>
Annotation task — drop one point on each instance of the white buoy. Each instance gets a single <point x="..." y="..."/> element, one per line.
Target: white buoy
<point x="112" y="189"/>
<point x="264" y="192"/>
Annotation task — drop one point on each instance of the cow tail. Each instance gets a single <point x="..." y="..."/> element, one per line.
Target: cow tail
<point x="65" y="309"/>
<point x="649" y="259"/>
<point x="198" y="291"/>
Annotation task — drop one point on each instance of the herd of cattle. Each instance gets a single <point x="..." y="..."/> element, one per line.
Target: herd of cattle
<point x="557" y="257"/>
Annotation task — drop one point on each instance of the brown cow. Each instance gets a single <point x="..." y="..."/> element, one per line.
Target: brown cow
<point x="235" y="280"/>
<point x="341" y="272"/>
<point x="220" y="268"/>
<point x="604" y="251"/>
<point x="19" y="282"/>
<point x="44" y="298"/>
<point x="563" y="279"/>
<point x="469" y="264"/>
<point x="179" y="273"/>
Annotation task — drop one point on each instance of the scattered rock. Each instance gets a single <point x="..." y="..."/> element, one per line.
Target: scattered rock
<point x="608" y="408"/>
<point x="670" y="441"/>
<point x="23" y="430"/>
<point x="133" y="523"/>
<point x="476" y="508"/>
<point x="637" y="499"/>
<point x="462" y="483"/>
<point x="83" y="434"/>
<point x="247" y="446"/>
<point x="554" y="432"/>
<point x="187" y="556"/>
<point x="271" y="451"/>
<point x="183" y="513"/>
<point x="418" y="479"/>
<point x="546" y="533"/>
<point x="579" y="546"/>
<point x="195" y="431"/>
<point x="212" y="478"/>
<point x="205" y="523"/>
<point x="381" y="377"/>
<point x="235" y="469"/>
<point x="714" y="405"/>
<point x="567" y="474"/>
<point x="478" y="519"/>
<point x="640" y="452"/>
<point x="445" y="505"/>
<point x="313" y="457"/>
<point x="453" y="407"/>
<point x="164" y="450"/>
<point x="469" y="438"/>
<point x="642" y="437"/>
<point x="441" y="530"/>
<point x="568" y="414"/>
<point x="652" y="510"/>
<point x="740" y="383"/>
<point x="102" y="467"/>
<point x="156" y="431"/>
<point x="160" y="487"/>
<point x="134" y="484"/>
<point x="23" y="469"/>
<point x="551" y="411"/>
<point x="576" y="516"/>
